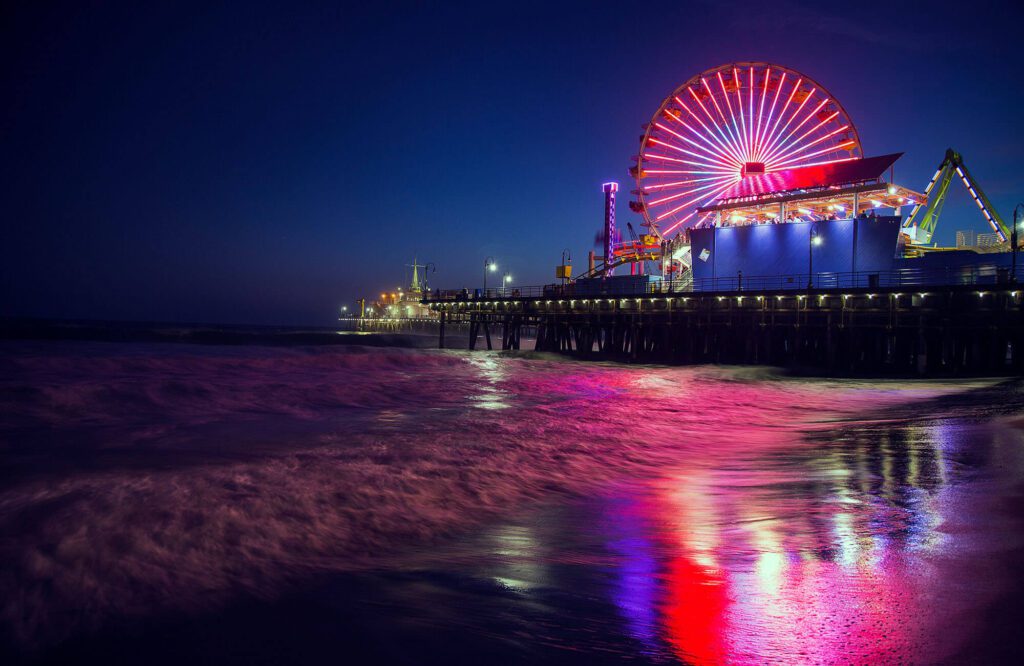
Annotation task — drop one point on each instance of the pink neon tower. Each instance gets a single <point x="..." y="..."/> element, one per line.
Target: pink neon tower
<point x="609" y="223"/>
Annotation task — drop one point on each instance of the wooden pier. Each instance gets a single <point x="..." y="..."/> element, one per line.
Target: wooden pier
<point x="951" y="330"/>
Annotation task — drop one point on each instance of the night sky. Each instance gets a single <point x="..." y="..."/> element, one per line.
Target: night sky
<point x="267" y="163"/>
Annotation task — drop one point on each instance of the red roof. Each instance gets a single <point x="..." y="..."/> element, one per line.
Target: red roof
<point x="835" y="174"/>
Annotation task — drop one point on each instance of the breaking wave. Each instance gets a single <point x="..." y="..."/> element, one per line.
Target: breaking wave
<point x="150" y="477"/>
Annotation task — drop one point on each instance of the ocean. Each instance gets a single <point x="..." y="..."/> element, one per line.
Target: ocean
<point x="283" y="500"/>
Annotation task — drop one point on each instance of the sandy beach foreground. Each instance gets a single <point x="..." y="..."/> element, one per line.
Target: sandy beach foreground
<point x="199" y="503"/>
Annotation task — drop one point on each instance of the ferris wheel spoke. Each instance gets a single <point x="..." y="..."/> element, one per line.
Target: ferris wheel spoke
<point x="750" y="104"/>
<point x="688" y="192"/>
<point x="824" y="162"/>
<point x="804" y="146"/>
<point x="749" y="122"/>
<point x="679" y="160"/>
<point x="739" y="109"/>
<point x="676" y="160"/>
<point x="728" y="141"/>
<point x="794" y="160"/>
<point x="680" y="207"/>
<point x="677" y="224"/>
<point x="787" y="142"/>
<point x="775" y="140"/>
<point x="728" y="105"/>
<point x="726" y="150"/>
<point x="782" y="150"/>
<point x="662" y="172"/>
<point x="829" y="149"/>
<point x="717" y="163"/>
<point x="710" y="199"/>
<point x="771" y="112"/>
<point x="666" y="144"/>
<point x="760" y="110"/>
<point x="733" y="143"/>
<point x="782" y="113"/>
<point x="678" y="183"/>
<point x="716" y="156"/>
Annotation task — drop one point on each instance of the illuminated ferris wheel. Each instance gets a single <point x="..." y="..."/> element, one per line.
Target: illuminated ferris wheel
<point x="727" y="123"/>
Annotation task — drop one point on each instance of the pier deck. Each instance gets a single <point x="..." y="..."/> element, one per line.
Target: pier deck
<point x="972" y="328"/>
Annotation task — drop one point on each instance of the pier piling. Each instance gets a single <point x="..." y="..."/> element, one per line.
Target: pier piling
<point x="951" y="330"/>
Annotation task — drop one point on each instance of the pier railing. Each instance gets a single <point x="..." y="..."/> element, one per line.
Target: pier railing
<point x="883" y="280"/>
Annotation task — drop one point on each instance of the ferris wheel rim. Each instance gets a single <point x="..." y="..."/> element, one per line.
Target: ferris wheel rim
<point x="855" y="146"/>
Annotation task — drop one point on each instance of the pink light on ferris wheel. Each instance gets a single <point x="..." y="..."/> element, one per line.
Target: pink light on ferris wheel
<point x="724" y="142"/>
<point x="719" y="159"/>
<point x="799" y="142"/>
<point x="771" y="110"/>
<point x="730" y="122"/>
<point x="708" y="146"/>
<point x="782" y="111"/>
<point x="773" y="139"/>
<point x="789" y="140"/>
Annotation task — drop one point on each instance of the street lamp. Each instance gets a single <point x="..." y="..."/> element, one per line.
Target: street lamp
<point x="504" y="282"/>
<point x="489" y="267"/>
<point x="1013" y="242"/>
<point x="812" y="239"/>
<point x="428" y="268"/>
<point x="566" y="254"/>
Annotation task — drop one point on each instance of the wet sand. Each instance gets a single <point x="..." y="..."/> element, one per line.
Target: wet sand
<point x="438" y="507"/>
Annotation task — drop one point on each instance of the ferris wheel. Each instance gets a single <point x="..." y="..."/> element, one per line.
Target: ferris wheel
<point x="730" y="122"/>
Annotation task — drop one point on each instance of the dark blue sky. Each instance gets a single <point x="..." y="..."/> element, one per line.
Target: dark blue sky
<point x="265" y="163"/>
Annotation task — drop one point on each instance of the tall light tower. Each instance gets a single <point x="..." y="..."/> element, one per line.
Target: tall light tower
<point x="609" y="222"/>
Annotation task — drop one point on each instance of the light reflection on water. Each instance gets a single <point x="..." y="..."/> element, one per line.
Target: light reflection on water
<point x="847" y="563"/>
<point x="488" y="394"/>
<point x="708" y="515"/>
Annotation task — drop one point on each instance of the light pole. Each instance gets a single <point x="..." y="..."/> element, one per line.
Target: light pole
<point x="1013" y="242"/>
<point x="489" y="266"/>
<point x="504" y="282"/>
<point x="812" y="239"/>
<point x="566" y="254"/>
<point x="428" y="268"/>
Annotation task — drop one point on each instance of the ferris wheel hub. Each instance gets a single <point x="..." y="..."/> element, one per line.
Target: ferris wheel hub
<point x="753" y="169"/>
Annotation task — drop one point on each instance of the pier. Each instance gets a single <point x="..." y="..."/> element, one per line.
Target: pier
<point x="972" y="328"/>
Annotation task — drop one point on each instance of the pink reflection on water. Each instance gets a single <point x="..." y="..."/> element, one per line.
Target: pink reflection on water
<point x="211" y="472"/>
<point x="801" y="558"/>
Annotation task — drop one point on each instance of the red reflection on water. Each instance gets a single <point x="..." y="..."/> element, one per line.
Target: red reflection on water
<point x="694" y="609"/>
<point x="807" y="561"/>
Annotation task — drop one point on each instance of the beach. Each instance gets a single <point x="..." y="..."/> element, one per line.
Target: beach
<point x="250" y="503"/>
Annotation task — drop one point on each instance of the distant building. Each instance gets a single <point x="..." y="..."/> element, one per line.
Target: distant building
<point x="966" y="239"/>
<point x="988" y="240"/>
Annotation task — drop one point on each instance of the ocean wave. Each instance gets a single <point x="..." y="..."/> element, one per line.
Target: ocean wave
<point x="163" y="477"/>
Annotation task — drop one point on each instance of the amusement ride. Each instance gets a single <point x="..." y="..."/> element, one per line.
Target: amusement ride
<point x="756" y="143"/>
